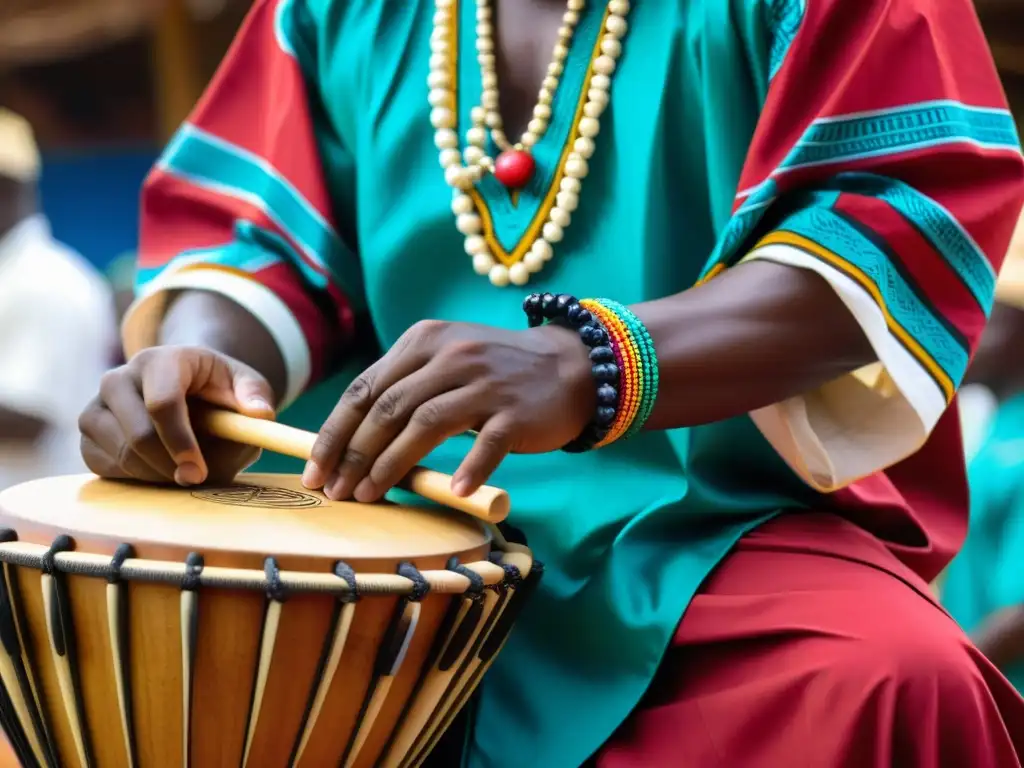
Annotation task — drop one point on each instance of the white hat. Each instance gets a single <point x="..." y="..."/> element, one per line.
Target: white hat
<point x="19" y="155"/>
<point x="1010" y="286"/>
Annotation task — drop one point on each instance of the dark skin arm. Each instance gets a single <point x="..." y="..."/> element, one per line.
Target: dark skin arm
<point x="210" y="349"/>
<point x="209" y="320"/>
<point x="756" y="335"/>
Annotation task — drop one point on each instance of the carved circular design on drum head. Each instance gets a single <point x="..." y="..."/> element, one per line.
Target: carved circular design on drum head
<point x="258" y="496"/>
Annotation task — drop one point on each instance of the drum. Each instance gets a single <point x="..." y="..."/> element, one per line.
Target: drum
<point x="254" y="625"/>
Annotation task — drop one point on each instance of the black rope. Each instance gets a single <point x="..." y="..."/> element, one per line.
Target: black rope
<point x="193" y="569"/>
<point x="344" y="572"/>
<point x="420" y="587"/>
<point x="276" y="589"/>
<point x="513" y="577"/>
<point x="62" y="543"/>
<point x="476" y="581"/>
<point x="122" y="553"/>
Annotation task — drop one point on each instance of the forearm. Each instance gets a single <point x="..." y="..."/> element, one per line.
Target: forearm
<point x="1001" y="638"/>
<point x="204" y="319"/>
<point x="757" y="334"/>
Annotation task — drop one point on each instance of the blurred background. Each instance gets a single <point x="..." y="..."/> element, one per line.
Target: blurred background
<point x="103" y="84"/>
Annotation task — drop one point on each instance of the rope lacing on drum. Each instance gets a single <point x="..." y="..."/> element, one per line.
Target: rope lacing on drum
<point x="420" y="587"/>
<point x="62" y="543"/>
<point x="476" y="581"/>
<point x="276" y="589"/>
<point x="344" y="572"/>
<point x="122" y="553"/>
<point x="193" y="570"/>
<point x="513" y="576"/>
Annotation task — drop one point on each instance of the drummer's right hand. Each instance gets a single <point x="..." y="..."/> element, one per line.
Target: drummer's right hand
<point x="139" y="427"/>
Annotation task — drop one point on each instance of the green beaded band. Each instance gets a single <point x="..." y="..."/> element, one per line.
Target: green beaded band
<point x="648" y="363"/>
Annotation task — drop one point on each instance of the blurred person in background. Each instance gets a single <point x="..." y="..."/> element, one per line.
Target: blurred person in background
<point x="57" y="326"/>
<point x="984" y="586"/>
<point x="805" y="205"/>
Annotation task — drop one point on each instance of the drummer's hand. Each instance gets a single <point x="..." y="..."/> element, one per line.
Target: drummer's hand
<point x="139" y="427"/>
<point x="525" y="391"/>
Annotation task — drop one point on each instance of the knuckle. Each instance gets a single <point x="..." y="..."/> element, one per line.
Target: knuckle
<point x="87" y="419"/>
<point x="324" y="447"/>
<point x="468" y="356"/>
<point x="356" y="459"/>
<point x="427" y="328"/>
<point x="430" y="416"/>
<point x="110" y="381"/>
<point x="141" y="439"/>
<point x="466" y="349"/>
<point x="359" y="391"/>
<point x="159" y="407"/>
<point x="144" y="357"/>
<point x="388" y="407"/>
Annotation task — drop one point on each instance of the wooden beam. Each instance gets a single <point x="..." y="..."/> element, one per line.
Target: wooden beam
<point x="176" y="66"/>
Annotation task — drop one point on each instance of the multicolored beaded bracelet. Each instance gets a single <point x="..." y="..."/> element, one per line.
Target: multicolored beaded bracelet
<point x="625" y="365"/>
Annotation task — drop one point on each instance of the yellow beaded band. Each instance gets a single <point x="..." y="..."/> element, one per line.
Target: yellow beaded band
<point x="627" y="356"/>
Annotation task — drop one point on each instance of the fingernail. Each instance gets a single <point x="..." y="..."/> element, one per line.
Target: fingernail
<point x="335" y="489"/>
<point x="365" y="491"/>
<point x="460" y="487"/>
<point x="259" y="404"/>
<point x="312" y="477"/>
<point x="188" y="474"/>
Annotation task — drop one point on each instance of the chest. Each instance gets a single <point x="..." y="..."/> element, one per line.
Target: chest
<point x="525" y="33"/>
<point x="646" y="216"/>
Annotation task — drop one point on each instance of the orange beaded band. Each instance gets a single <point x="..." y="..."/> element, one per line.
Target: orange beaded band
<point x="631" y="374"/>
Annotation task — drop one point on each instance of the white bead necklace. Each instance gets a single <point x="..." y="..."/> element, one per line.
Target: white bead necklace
<point x="514" y="166"/>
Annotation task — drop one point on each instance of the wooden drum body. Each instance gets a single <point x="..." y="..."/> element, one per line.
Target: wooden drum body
<point x="258" y="625"/>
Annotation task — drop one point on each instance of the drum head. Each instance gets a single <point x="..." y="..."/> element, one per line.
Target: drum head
<point x="259" y="515"/>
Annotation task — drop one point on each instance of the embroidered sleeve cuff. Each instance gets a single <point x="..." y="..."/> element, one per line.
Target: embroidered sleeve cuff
<point x="142" y="321"/>
<point x="860" y="423"/>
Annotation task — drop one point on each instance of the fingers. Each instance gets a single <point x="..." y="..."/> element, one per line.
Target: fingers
<point x="432" y="423"/>
<point x="353" y="407"/>
<point x="140" y="427"/>
<point x="106" y="452"/>
<point x="136" y="435"/>
<point x="164" y="383"/>
<point x="490" y="448"/>
<point x="388" y="415"/>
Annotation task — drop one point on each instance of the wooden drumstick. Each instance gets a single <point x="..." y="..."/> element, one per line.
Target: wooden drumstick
<point x="487" y="503"/>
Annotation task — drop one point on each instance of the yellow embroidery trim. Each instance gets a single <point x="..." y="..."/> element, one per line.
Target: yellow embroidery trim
<point x="211" y="267"/>
<point x="527" y="239"/>
<point x="856" y="274"/>
<point x="716" y="270"/>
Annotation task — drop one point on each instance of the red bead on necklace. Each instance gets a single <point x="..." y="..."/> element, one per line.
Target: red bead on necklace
<point x="514" y="168"/>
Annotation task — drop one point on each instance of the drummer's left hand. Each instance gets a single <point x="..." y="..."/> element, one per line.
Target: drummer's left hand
<point x="527" y="391"/>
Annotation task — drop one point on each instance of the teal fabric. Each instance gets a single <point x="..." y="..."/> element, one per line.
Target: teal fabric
<point x="987" y="575"/>
<point x="627" y="533"/>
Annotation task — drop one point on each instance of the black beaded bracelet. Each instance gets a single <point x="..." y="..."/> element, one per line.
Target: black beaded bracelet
<point x="565" y="309"/>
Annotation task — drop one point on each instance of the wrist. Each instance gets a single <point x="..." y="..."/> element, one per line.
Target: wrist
<point x="214" y="322"/>
<point x="570" y="365"/>
<point x="622" y="360"/>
